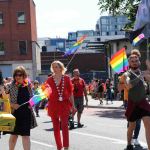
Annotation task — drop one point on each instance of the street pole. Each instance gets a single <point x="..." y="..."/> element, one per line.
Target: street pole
<point x="147" y="48"/>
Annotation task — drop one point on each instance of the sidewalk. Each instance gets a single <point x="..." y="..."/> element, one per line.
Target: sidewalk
<point x="96" y="104"/>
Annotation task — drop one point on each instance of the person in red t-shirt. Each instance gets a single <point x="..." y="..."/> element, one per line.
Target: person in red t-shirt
<point x="79" y="92"/>
<point x="60" y="103"/>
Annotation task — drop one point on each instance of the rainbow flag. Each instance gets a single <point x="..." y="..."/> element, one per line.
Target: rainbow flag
<point x="119" y="61"/>
<point x="75" y="47"/>
<point x="43" y="93"/>
<point x="138" y="39"/>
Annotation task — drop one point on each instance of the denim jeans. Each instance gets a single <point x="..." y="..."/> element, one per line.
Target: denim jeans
<point x="109" y="95"/>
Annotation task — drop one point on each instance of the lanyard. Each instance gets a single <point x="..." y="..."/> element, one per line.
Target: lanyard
<point x="142" y="79"/>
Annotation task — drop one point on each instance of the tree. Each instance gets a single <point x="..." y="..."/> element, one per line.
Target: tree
<point x="120" y="7"/>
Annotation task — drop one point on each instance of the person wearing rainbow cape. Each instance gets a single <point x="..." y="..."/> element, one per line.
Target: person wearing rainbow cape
<point x="60" y="103"/>
<point x="20" y="92"/>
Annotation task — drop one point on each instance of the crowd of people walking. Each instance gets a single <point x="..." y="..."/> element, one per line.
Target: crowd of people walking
<point x="68" y="96"/>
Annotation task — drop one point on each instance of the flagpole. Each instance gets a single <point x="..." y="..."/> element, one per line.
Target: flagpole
<point x="147" y="48"/>
<point x="123" y="61"/>
<point x="78" y="43"/>
<point x="71" y="59"/>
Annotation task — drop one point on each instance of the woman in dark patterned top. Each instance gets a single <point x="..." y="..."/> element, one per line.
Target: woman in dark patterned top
<point x="20" y="92"/>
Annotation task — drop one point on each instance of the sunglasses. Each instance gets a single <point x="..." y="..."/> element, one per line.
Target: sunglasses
<point x="18" y="75"/>
<point x="134" y="61"/>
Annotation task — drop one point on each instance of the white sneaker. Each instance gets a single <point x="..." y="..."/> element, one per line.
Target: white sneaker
<point x="136" y="142"/>
<point x="132" y="141"/>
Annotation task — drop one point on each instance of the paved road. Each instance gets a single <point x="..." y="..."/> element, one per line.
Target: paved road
<point x="105" y="129"/>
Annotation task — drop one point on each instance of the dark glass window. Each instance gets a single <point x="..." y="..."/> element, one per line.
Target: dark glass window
<point x="1" y="18"/>
<point x="2" y="48"/>
<point x="23" y="47"/>
<point x="21" y="17"/>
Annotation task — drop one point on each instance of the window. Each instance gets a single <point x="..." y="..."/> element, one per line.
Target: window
<point x="121" y="33"/>
<point x="104" y="20"/>
<point x="112" y="32"/>
<point x="21" y="17"/>
<point x="72" y="36"/>
<point x="60" y="45"/>
<point x="104" y="33"/>
<point x="116" y="19"/>
<point x="23" y="47"/>
<point x="112" y="20"/>
<point x="104" y="28"/>
<point x="1" y="18"/>
<point x="97" y="26"/>
<point x="112" y="27"/>
<point x="2" y="48"/>
<point x="120" y="27"/>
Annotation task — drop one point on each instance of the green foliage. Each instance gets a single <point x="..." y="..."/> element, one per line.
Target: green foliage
<point x="120" y="7"/>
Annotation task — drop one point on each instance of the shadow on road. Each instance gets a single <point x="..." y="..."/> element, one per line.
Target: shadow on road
<point x="51" y="129"/>
<point x="47" y="121"/>
<point x="138" y="148"/>
<point x="111" y="113"/>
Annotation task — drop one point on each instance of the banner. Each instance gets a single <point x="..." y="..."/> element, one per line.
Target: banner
<point x="143" y="17"/>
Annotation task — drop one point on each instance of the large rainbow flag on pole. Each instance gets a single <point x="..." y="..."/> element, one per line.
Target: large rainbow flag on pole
<point x="119" y="61"/>
<point x="75" y="47"/>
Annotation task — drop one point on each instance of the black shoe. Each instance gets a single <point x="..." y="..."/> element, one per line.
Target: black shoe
<point x="71" y="127"/>
<point x="71" y="124"/>
<point x="80" y="125"/>
<point x="37" y="115"/>
<point x="129" y="147"/>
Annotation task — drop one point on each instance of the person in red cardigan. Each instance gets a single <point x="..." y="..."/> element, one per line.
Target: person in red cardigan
<point x="60" y="103"/>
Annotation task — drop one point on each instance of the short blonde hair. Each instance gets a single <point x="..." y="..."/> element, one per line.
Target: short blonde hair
<point x="136" y="52"/>
<point x="60" y="64"/>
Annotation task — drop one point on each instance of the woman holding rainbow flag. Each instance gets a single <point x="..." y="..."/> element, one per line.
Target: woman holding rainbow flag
<point x="60" y="103"/>
<point x="20" y="92"/>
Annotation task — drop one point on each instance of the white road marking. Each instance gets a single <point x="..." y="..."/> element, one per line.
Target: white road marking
<point x="112" y="125"/>
<point x="113" y="140"/>
<point x="43" y="144"/>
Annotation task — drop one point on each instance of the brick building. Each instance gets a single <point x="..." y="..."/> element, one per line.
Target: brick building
<point x="18" y="37"/>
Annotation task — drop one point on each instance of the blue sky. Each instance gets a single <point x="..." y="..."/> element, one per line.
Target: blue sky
<point x="58" y="17"/>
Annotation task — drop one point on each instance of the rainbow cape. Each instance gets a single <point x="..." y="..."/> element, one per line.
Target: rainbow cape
<point x="138" y="39"/>
<point x="75" y="47"/>
<point x="119" y="61"/>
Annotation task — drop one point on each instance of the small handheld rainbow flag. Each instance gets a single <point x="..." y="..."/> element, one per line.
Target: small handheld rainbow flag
<point x="75" y="46"/>
<point x="43" y="92"/>
<point x="138" y="39"/>
<point x="119" y="61"/>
